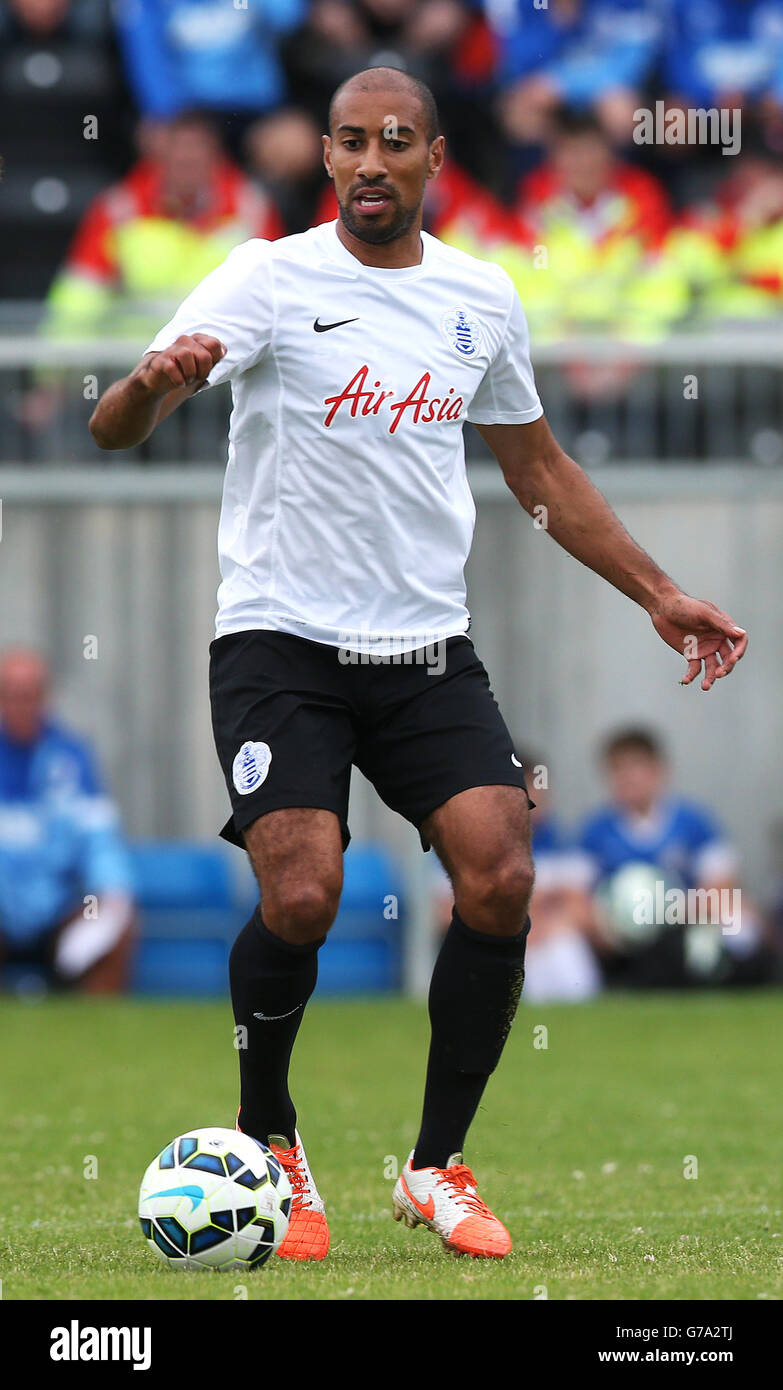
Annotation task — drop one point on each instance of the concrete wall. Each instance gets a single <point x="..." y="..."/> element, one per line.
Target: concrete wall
<point x="571" y="658"/>
<point x="128" y="557"/>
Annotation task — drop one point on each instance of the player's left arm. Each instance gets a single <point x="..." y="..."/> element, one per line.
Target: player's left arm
<point x="578" y="517"/>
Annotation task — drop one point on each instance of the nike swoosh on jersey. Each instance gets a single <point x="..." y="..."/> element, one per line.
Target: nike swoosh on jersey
<point x="325" y="327"/>
<point x="427" y="1208"/>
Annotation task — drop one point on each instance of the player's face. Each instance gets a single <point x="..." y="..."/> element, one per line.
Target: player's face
<point x="635" y="780"/>
<point x="380" y="159"/>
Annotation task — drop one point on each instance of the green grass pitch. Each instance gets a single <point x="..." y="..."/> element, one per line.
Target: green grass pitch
<point x="581" y="1147"/>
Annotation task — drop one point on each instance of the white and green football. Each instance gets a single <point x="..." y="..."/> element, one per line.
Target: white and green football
<point x="216" y="1199"/>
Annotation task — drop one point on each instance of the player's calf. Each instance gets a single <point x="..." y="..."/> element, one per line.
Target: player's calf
<point x="271" y="982"/>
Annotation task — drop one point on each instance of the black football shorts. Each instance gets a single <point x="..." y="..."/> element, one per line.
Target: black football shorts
<point x="291" y="717"/>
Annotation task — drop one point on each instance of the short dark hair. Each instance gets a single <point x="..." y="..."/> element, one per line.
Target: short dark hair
<point x="370" y="79"/>
<point x="633" y="740"/>
<point x="566" y="121"/>
<point x="194" y="117"/>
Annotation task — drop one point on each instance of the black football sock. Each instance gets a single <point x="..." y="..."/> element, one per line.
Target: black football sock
<point x="271" y="982"/>
<point x="473" y="998"/>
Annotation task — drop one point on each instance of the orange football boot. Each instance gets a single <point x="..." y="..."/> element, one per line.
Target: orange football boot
<point x="307" y="1237"/>
<point x="446" y="1201"/>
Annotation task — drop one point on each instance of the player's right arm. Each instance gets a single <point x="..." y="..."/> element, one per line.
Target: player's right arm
<point x="128" y="411"/>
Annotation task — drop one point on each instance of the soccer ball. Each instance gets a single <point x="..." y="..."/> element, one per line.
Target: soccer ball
<point x="214" y="1198"/>
<point x="629" y="902"/>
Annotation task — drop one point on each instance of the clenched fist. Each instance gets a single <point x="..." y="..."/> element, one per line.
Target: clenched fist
<point x="188" y="362"/>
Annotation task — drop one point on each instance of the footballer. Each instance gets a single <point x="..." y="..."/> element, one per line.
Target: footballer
<point x="356" y="351"/>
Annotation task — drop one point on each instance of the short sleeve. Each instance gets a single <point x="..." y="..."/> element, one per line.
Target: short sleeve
<point x="90" y="779"/>
<point x="591" y="843"/>
<point x="507" y="394"/>
<point x="105" y="864"/>
<point x="714" y="857"/>
<point x="233" y="303"/>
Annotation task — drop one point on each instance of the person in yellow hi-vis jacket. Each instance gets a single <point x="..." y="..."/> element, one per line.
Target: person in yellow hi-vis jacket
<point x="146" y="241"/>
<point x="156" y="234"/>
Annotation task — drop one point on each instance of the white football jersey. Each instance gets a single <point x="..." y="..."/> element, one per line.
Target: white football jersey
<point x="347" y="516"/>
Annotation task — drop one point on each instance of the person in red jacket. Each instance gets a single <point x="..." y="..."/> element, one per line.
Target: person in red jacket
<point x="584" y="184"/>
<point x="157" y="232"/>
<point x="146" y="241"/>
<point x="597" y="224"/>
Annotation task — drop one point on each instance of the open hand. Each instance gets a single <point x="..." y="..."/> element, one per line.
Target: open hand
<point x="702" y="633"/>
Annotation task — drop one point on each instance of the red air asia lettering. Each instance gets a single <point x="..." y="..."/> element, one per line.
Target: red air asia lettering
<point x="368" y="400"/>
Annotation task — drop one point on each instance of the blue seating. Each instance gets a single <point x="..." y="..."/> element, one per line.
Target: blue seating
<point x="182" y="875"/>
<point x="193" y="899"/>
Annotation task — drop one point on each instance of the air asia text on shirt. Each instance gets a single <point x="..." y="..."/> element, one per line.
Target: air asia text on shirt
<point x="366" y="400"/>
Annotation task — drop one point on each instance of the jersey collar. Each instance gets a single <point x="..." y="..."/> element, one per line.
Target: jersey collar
<point x="337" y="252"/>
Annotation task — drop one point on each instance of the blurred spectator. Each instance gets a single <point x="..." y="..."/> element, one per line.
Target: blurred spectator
<point x="776" y="890"/>
<point x="723" y="52"/>
<point x="594" y="54"/>
<point x="647" y="842"/>
<point x="285" y="153"/>
<point x="560" y="963"/>
<point x="730" y="246"/>
<point x="65" y="885"/>
<point x="210" y="54"/>
<point x="144" y="243"/>
<point x="64" y="125"/>
<point x="590" y="228"/>
<point x="585" y="187"/>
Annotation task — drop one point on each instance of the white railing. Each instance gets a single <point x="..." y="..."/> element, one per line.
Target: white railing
<point x="694" y="397"/>
<point x="741" y="343"/>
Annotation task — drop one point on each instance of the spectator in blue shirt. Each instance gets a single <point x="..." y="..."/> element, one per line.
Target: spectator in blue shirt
<point x="644" y="822"/>
<point x="724" y="52"/>
<point x="65" y="880"/>
<point x="207" y="54"/>
<point x="560" y="962"/>
<point x="584" y="53"/>
<point x="645" y="826"/>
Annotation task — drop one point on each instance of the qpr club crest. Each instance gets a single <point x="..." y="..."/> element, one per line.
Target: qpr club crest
<point x="463" y="332"/>
<point x="251" y="766"/>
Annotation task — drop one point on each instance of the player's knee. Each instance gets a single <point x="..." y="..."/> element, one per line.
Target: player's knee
<point x="496" y="899"/>
<point x="301" y="912"/>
